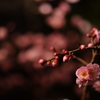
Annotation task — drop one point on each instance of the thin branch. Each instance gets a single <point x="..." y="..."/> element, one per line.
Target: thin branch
<point x="84" y="93"/>
<point x="81" y="60"/>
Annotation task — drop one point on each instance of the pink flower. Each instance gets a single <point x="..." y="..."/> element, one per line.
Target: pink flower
<point x="96" y="85"/>
<point x="84" y="82"/>
<point x="82" y="73"/>
<point x="81" y="82"/>
<point x="87" y="75"/>
<point x="94" y="71"/>
<point x="97" y="33"/>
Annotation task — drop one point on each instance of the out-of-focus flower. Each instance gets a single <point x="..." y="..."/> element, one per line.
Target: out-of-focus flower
<point x="3" y="54"/>
<point x="45" y="8"/>
<point x="81" y="82"/>
<point x="57" y="40"/>
<point x="65" y="99"/>
<point x="72" y="1"/>
<point x="96" y="85"/>
<point x="3" y="32"/>
<point x="38" y="39"/>
<point x="55" y="22"/>
<point x="83" y="25"/>
<point x="97" y="35"/>
<point x="65" y="7"/>
<point x="57" y="19"/>
<point x="22" y="41"/>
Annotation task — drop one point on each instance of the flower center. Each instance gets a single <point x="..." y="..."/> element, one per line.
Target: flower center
<point x="84" y="74"/>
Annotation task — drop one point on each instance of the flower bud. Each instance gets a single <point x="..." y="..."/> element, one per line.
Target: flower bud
<point x="54" y="63"/>
<point x="90" y="45"/>
<point x="70" y="57"/>
<point x="65" y="58"/>
<point x="56" y="53"/>
<point x="52" y="48"/>
<point x="82" y="47"/>
<point x="42" y="61"/>
<point x="56" y="57"/>
<point x="64" y="51"/>
<point x="88" y="35"/>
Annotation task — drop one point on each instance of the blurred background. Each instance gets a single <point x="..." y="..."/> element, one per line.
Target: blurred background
<point x="27" y="29"/>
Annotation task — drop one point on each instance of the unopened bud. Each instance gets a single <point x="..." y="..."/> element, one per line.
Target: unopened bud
<point x="42" y="61"/>
<point x="82" y="47"/>
<point x="70" y="57"/>
<point x="88" y="35"/>
<point x="56" y="57"/>
<point x="65" y="58"/>
<point x="54" y="63"/>
<point x="56" y="53"/>
<point x="90" y="45"/>
<point x="64" y="51"/>
<point x="52" y="48"/>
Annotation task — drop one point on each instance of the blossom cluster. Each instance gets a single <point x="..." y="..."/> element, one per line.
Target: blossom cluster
<point x="87" y="74"/>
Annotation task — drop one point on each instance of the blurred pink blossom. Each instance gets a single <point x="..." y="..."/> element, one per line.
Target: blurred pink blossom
<point x="45" y="8"/>
<point x="65" y="7"/>
<point x="55" y="22"/>
<point x="96" y="85"/>
<point x="83" y="25"/>
<point x="22" y="41"/>
<point x="72" y="1"/>
<point x="57" y="40"/>
<point x="97" y="33"/>
<point x="3" y="32"/>
<point x="38" y="39"/>
<point x="3" y="54"/>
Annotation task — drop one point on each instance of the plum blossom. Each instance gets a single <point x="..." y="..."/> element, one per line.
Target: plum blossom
<point x="94" y="71"/>
<point x="97" y="39"/>
<point x="96" y="85"/>
<point x="97" y="35"/>
<point x="82" y="73"/>
<point x="88" y="74"/>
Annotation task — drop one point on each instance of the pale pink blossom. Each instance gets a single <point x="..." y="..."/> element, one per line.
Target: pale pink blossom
<point x="72" y="1"/>
<point x="87" y="75"/>
<point x="84" y="82"/>
<point x="97" y="33"/>
<point x="45" y="8"/>
<point x="94" y="71"/>
<point x="90" y="45"/>
<point x="81" y="82"/>
<point x="96" y="85"/>
<point x="82" y="73"/>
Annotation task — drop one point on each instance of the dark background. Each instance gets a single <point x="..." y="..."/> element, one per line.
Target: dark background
<point x="22" y="80"/>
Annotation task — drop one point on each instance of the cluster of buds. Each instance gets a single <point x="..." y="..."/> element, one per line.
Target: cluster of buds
<point x="88" y="74"/>
<point x="65" y="55"/>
